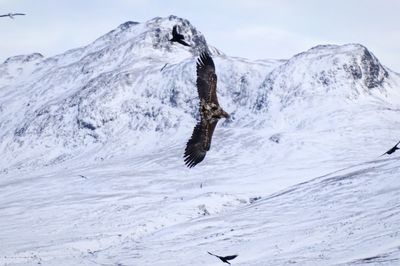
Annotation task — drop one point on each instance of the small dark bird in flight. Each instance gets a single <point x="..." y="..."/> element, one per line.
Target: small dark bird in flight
<point x="11" y="15"/>
<point x="393" y="149"/>
<point x="176" y="37"/>
<point x="224" y="259"/>
<point x="210" y="112"/>
<point x="82" y="176"/>
<point x="163" y="67"/>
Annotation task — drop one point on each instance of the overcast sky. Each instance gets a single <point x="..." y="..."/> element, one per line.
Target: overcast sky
<point x="247" y="28"/>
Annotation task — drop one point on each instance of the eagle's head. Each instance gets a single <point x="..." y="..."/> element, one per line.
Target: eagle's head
<point x="225" y="114"/>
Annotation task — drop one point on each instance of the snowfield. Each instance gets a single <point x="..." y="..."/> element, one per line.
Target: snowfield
<point x="92" y="143"/>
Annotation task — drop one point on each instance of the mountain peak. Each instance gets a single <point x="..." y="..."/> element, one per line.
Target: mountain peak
<point x="361" y="63"/>
<point x="162" y="33"/>
<point x="324" y="72"/>
<point x="151" y="35"/>
<point x="23" y="58"/>
<point x="127" y="25"/>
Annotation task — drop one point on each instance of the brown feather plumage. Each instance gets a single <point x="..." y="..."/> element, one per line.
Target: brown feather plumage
<point x="210" y="112"/>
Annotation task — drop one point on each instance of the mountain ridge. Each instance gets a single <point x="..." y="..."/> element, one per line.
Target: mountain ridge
<point x="66" y="102"/>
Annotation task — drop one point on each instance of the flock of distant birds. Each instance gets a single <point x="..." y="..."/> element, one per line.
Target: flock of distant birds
<point x="210" y="111"/>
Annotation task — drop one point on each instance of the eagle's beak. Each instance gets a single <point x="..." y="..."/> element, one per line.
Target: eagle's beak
<point x="226" y="115"/>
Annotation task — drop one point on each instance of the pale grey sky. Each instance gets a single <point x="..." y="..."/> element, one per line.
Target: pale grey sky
<point x="247" y="28"/>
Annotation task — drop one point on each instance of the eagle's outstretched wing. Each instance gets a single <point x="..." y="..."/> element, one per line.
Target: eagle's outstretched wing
<point x="206" y="78"/>
<point x="199" y="143"/>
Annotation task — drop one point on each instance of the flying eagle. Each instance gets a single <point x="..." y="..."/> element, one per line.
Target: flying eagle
<point x="225" y="258"/>
<point x="210" y="112"/>
<point x="393" y="149"/>
<point x="176" y="37"/>
<point x="11" y="15"/>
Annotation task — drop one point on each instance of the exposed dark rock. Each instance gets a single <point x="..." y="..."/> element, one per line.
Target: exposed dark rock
<point x="375" y="73"/>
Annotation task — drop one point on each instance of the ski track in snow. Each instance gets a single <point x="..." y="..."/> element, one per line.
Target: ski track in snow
<point x="92" y="143"/>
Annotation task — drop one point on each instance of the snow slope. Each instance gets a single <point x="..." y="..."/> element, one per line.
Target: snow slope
<point x="92" y="142"/>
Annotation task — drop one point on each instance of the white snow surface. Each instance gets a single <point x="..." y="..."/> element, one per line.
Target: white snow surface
<point x="92" y="173"/>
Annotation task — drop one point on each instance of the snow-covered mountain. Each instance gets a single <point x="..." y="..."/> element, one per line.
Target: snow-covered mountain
<point x="111" y="89"/>
<point x="92" y="173"/>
